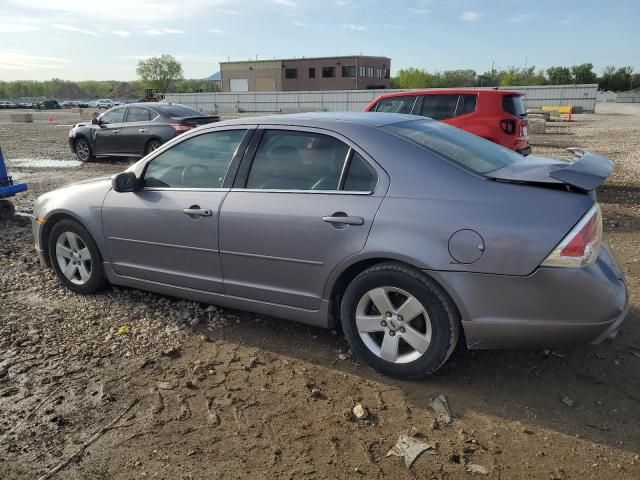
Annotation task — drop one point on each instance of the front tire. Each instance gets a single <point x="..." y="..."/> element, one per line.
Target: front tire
<point x="75" y="257"/>
<point x="83" y="150"/>
<point x="399" y="321"/>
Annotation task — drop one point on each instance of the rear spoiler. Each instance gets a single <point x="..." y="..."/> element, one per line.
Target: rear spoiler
<point x="587" y="172"/>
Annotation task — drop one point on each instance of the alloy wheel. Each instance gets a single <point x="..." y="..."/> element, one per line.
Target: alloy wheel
<point x="393" y="324"/>
<point x="82" y="150"/>
<point x="74" y="258"/>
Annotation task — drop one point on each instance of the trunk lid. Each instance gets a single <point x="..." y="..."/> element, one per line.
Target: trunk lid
<point x="203" y="120"/>
<point x="586" y="172"/>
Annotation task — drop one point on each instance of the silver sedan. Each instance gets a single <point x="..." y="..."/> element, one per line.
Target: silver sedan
<point x="402" y="230"/>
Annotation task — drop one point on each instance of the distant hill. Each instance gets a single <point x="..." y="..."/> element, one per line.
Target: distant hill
<point x="70" y="91"/>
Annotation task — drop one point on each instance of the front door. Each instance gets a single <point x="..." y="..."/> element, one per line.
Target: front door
<point x="307" y="203"/>
<point x="107" y="139"/>
<point x="168" y="231"/>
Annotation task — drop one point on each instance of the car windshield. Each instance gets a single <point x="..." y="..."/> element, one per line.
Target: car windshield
<point x="178" y="111"/>
<point x="466" y="149"/>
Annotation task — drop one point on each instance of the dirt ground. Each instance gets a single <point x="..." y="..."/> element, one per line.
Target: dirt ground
<point x="131" y="385"/>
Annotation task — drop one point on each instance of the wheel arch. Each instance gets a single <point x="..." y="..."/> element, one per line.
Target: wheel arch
<point x="152" y="139"/>
<point x="341" y="277"/>
<point x="54" y="219"/>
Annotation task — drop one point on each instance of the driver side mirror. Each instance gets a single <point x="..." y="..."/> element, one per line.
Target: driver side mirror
<point x="125" y="182"/>
<point x="95" y="121"/>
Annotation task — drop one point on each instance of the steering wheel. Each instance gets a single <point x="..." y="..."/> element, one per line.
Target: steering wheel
<point x="186" y="171"/>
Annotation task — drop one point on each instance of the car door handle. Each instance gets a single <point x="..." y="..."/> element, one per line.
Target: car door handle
<point x="341" y="218"/>
<point x="196" y="211"/>
<point x="115" y="131"/>
<point x="142" y="130"/>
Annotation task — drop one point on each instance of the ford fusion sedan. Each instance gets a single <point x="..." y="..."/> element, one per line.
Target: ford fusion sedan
<point x="133" y="130"/>
<point x="404" y="231"/>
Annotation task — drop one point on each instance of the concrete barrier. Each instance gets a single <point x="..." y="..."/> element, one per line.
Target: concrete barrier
<point x="537" y="123"/>
<point x="21" y="117"/>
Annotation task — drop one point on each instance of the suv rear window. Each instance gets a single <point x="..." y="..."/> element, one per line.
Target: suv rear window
<point x="466" y="149"/>
<point x="514" y="104"/>
<point x="402" y="104"/>
<point x="439" y="107"/>
<point x="178" y="110"/>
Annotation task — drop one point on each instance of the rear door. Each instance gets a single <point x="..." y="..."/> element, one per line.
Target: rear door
<point x="107" y="140"/>
<point x="442" y="107"/>
<point x="135" y="131"/>
<point x="301" y="204"/>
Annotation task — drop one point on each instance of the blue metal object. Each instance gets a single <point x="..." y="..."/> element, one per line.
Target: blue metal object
<point x="7" y="187"/>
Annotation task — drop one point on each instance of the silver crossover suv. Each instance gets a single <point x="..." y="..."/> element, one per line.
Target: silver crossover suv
<point x="403" y="230"/>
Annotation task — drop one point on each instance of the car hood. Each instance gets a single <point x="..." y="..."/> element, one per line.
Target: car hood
<point x="586" y="172"/>
<point x="88" y="193"/>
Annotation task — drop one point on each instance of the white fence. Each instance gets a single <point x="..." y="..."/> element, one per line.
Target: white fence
<point x="356" y="100"/>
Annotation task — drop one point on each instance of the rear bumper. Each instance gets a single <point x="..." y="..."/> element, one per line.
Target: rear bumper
<point x="551" y="308"/>
<point x="524" y="151"/>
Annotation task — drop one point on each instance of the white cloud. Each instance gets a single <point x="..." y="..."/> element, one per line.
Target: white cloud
<point x="419" y="11"/>
<point x="352" y="26"/>
<point x="286" y="3"/>
<point x="14" y="60"/>
<point x="216" y="31"/>
<point x="301" y="24"/>
<point x="71" y="28"/>
<point x="521" y="17"/>
<point x="121" y="33"/>
<point x="121" y="11"/>
<point x="568" y="21"/>
<point x="163" y="31"/>
<point x="470" y="16"/>
<point x="16" y="27"/>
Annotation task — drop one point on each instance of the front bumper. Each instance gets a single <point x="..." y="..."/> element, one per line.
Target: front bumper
<point x="551" y="308"/>
<point x="37" y="237"/>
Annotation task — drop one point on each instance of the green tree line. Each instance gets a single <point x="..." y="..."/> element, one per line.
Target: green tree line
<point x="612" y="78"/>
<point x="95" y="88"/>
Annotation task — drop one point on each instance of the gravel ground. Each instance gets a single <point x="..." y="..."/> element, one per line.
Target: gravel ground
<point x="130" y="385"/>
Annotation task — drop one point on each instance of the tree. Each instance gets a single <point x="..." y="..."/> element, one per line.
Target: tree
<point x="414" y="78"/>
<point x="160" y="72"/>
<point x="583" y="73"/>
<point x="559" y="75"/>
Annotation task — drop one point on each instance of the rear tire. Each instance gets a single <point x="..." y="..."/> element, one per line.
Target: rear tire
<point x="75" y="258"/>
<point x="399" y="321"/>
<point x="7" y="209"/>
<point x="152" y="145"/>
<point x="83" y="150"/>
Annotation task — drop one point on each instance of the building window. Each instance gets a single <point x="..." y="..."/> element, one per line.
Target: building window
<point x="291" y="73"/>
<point x="363" y="72"/>
<point x="312" y="72"/>
<point x="328" y="72"/>
<point x="370" y="72"/>
<point x="385" y="72"/>
<point x="349" y="71"/>
<point x="378" y="73"/>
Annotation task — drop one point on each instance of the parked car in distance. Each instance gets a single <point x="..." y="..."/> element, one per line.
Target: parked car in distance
<point x="70" y="104"/>
<point x="7" y="104"/>
<point x="25" y="105"/>
<point x="403" y="230"/>
<point x="48" y="105"/>
<point x="496" y="115"/>
<point x="133" y="130"/>
<point x="104" y="103"/>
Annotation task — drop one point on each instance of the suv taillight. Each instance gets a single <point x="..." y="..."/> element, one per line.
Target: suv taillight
<point x="182" y="127"/>
<point x="508" y="126"/>
<point x="582" y="244"/>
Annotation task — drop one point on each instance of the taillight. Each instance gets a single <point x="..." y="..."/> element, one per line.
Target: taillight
<point x="508" y="126"/>
<point x="182" y="127"/>
<point x="582" y="244"/>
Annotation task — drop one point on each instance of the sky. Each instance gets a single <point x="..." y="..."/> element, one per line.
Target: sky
<point x="105" y="39"/>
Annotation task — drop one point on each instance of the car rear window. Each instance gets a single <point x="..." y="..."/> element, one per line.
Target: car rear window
<point x="514" y="104"/>
<point x="439" y="107"/>
<point x="179" y="111"/>
<point x="466" y="149"/>
<point x="402" y="104"/>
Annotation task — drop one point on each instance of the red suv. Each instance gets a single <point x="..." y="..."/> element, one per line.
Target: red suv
<point x="497" y="115"/>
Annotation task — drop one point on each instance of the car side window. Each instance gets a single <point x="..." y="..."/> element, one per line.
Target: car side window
<point x="469" y="104"/>
<point x="361" y="177"/>
<point x="439" y="107"/>
<point x="292" y="160"/>
<point x="197" y="162"/>
<point x="402" y="104"/>
<point x="137" y="114"/>
<point x="113" y="116"/>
